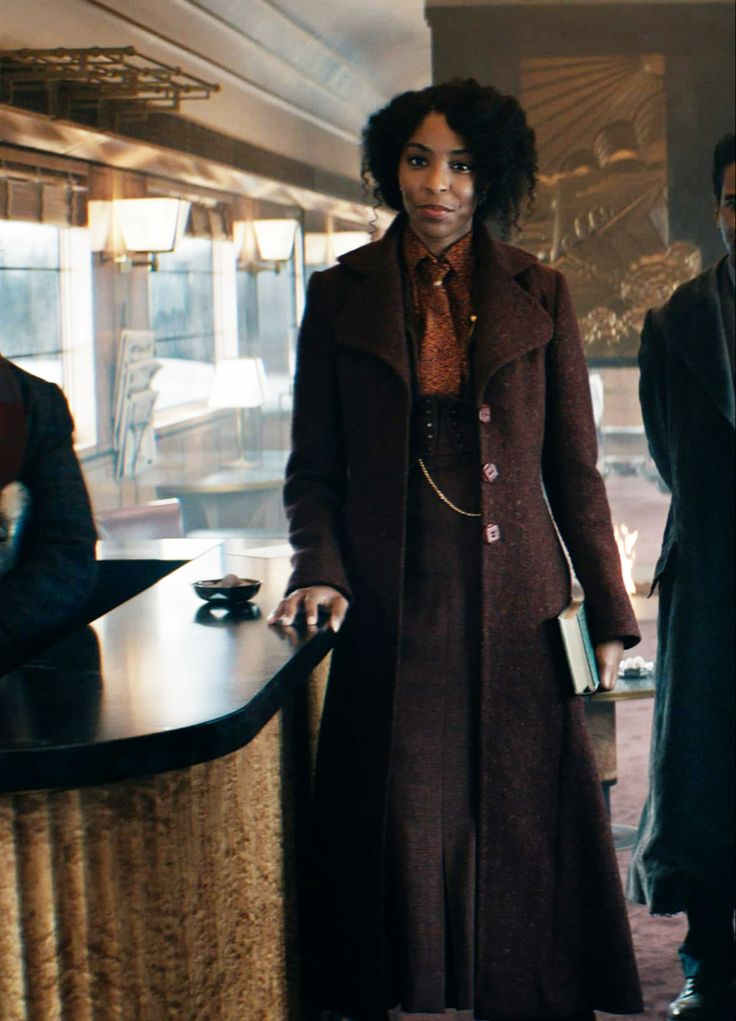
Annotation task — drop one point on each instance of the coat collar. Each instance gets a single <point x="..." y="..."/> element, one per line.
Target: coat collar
<point x="695" y="327"/>
<point x="510" y="321"/>
<point x="372" y="317"/>
<point x="12" y="424"/>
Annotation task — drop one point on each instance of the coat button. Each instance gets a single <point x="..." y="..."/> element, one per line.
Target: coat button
<point x="484" y="414"/>
<point x="491" y="533"/>
<point x="490" y="472"/>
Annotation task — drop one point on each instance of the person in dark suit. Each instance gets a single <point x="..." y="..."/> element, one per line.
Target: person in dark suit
<point x="462" y="853"/>
<point x="47" y="533"/>
<point x="684" y="855"/>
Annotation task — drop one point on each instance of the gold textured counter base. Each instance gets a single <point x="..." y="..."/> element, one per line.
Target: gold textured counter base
<point x="161" y="899"/>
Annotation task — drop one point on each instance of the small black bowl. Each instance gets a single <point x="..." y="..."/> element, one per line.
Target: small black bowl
<point x="227" y="595"/>
<point x="218" y="613"/>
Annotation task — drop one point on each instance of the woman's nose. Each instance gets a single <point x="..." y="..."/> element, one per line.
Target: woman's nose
<point x="437" y="178"/>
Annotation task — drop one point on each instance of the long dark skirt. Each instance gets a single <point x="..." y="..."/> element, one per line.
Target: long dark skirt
<point x="432" y="801"/>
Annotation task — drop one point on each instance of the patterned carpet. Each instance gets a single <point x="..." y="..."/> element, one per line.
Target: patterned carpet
<point x="655" y="939"/>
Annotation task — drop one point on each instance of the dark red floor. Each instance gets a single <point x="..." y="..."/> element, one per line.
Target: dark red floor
<point x="655" y="939"/>
<point x="643" y="506"/>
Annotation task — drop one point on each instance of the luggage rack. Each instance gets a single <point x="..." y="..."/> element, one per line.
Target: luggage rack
<point x="97" y="85"/>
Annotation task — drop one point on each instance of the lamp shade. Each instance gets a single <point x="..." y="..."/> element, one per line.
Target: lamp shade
<point x="325" y="248"/>
<point x="99" y="224"/>
<point x="239" y="383"/>
<point x="245" y="241"/>
<point x="275" y="239"/>
<point x="151" y="224"/>
<point x="317" y="249"/>
<point x="344" y="241"/>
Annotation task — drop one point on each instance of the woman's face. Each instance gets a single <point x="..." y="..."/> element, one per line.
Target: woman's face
<point x="437" y="183"/>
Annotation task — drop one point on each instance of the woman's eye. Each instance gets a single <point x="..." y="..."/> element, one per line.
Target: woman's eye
<point x="416" y="161"/>
<point x="461" y="167"/>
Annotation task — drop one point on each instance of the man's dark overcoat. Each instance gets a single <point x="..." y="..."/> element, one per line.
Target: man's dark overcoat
<point x="687" y="395"/>
<point x="56" y="568"/>
<point x="552" y="936"/>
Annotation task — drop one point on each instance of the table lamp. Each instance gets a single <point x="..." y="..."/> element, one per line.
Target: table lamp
<point x="240" y="383"/>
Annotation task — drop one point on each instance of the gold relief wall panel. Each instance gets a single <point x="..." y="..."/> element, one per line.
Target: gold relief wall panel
<point x="601" y="213"/>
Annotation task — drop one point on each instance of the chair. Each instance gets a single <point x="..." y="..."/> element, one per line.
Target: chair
<point x="159" y="519"/>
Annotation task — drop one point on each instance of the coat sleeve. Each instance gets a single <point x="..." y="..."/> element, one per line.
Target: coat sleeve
<point x="316" y="474"/>
<point x="653" y="395"/>
<point x="56" y="571"/>
<point x="574" y="487"/>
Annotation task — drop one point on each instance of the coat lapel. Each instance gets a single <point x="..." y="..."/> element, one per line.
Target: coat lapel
<point x="372" y="318"/>
<point x="510" y="321"/>
<point x="699" y="337"/>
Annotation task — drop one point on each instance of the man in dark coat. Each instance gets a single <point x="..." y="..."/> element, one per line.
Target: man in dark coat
<point x="683" y="859"/>
<point x="49" y="573"/>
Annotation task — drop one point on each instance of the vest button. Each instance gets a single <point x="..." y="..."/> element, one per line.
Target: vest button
<point x="491" y="533"/>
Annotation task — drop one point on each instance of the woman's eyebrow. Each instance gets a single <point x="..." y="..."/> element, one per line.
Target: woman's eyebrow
<point x="427" y="148"/>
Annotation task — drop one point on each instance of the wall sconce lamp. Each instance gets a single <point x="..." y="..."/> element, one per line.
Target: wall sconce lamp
<point x="264" y="244"/>
<point x="241" y="383"/>
<point x="124" y="228"/>
<point x="317" y="249"/>
<point x="324" y="249"/>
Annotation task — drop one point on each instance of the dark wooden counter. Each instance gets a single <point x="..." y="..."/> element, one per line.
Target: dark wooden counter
<point x="159" y="683"/>
<point x="154" y="780"/>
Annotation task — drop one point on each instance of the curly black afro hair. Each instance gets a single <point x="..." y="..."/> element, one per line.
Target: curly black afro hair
<point x="493" y="127"/>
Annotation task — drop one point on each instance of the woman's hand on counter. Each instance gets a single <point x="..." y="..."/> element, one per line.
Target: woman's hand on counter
<point x="608" y="656"/>
<point x="309" y="600"/>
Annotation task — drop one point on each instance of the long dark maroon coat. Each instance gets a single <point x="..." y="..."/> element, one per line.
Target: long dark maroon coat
<point x="552" y="934"/>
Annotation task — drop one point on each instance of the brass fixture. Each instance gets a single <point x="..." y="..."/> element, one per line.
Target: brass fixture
<point x="98" y="86"/>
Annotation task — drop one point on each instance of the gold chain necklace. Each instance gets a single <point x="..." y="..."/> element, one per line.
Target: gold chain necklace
<point x="446" y="499"/>
<point x="472" y="320"/>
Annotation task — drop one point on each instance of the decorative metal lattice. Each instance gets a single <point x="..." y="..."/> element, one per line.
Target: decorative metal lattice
<point x="99" y="85"/>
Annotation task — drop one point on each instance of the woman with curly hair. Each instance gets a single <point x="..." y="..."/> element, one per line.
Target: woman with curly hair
<point x="443" y="442"/>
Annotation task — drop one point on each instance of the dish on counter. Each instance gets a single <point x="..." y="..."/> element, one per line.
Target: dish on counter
<point x="230" y="590"/>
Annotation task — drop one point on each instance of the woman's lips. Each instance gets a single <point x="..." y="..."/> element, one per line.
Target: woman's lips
<point x="434" y="212"/>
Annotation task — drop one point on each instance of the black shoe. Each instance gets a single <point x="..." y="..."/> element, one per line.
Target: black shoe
<point x="702" y="1000"/>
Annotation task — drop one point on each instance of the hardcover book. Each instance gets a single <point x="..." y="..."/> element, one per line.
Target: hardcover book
<point x="579" y="648"/>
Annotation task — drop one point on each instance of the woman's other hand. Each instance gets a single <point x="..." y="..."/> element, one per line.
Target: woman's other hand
<point x="310" y="599"/>
<point x="608" y="656"/>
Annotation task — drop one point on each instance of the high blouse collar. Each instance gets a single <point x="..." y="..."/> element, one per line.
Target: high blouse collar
<point x="459" y="256"/>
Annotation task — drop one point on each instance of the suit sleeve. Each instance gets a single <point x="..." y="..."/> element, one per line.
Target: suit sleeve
<point x="316" y="474"/>
<point x="653" y="395"/>
<point x="56" y="571"/>
<point x="574" y="487"/>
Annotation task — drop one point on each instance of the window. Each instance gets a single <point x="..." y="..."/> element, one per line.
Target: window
<point x="183" y="321"/>
<point x="30" y="324"/>
<point x="269" y="305"/>
<point x="46" y="302"/>
<point x="182" y="300"/>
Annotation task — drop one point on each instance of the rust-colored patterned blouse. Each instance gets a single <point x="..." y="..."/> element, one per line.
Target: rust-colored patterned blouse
<point x="440" y="290"/>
